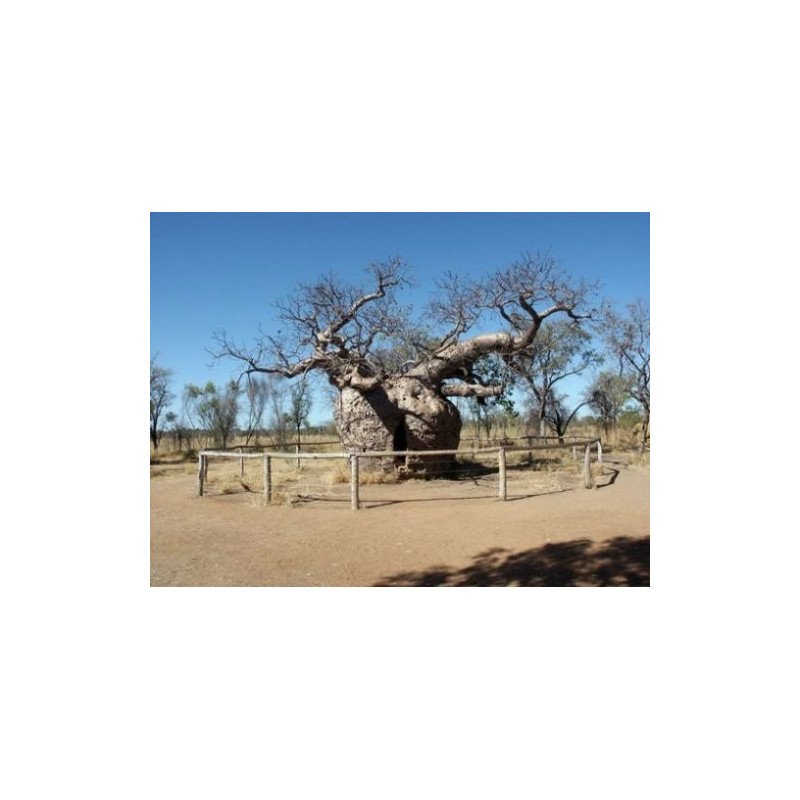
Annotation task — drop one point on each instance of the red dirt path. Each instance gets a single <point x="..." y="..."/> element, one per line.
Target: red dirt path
<point x="575" y="537"/>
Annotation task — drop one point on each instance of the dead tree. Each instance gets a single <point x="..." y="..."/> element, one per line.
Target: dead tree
<point x="395" y="378"/>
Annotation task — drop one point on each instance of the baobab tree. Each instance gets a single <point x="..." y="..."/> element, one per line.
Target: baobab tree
<point x="395" y="378"/>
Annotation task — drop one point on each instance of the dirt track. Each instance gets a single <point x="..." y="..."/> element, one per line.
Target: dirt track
<point x="568" y="537"/>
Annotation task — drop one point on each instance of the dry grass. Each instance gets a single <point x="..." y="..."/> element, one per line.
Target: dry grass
<point x="167" y="469"/>
<point x="537" y="471"/>
<point x="340" y="473"/>
<point x="368" y="477"/>
<point x="286" y="496"/>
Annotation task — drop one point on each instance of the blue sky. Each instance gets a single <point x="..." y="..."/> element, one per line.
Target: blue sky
<point x="224" y="270"/>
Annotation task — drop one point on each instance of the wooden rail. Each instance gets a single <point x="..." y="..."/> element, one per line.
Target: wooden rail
<point x="355" y="457"/>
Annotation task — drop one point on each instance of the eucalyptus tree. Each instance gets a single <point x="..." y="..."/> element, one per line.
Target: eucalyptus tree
<point x="628" y="339"/>
<point x="492" y="413"/>
<point x="606" y="396"/>
<point x="216" y="409"/>
<point x="299" y="406"/>
<point x="258" y="392"/>
<point x="395" y="376"/>
<point x="160" y="398"/>
<point x="559" y="413"/>
<point x="562" y="349"/>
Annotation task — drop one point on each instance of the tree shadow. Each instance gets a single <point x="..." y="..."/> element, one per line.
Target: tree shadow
<point x="622" y="561"/>
<point x="444" y="470"/>
<point x="610" y="474"/>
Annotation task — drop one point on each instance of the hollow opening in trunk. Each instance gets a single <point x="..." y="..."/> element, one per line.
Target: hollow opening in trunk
<point x="400" y="442"/>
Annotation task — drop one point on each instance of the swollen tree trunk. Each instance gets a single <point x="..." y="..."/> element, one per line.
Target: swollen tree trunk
<point x="400" y="413"/>
<point x="335" y="328"/>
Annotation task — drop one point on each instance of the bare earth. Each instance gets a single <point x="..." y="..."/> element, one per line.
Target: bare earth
<point x="558" y="534"/>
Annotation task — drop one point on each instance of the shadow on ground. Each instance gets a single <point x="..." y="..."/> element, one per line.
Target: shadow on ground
<point x="622" y="561"/>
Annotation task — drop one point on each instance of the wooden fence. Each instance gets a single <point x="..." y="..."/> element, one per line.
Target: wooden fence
<point x="356" y="457"/>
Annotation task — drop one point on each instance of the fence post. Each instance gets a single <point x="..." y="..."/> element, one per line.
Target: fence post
<point x="267" y="479"/>
<point x="587" y="468"/>
<point x="599" y="452"/>
<point x="353" y="482"/>
<point x="297" y="452"/>
<point x="241" y="464"/>
<point x="501" y="461"/>
<point x="574" y="453"/>
<point x="200" y="474"/>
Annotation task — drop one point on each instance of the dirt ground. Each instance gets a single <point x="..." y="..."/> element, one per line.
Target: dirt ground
<point x="550" y="532"/>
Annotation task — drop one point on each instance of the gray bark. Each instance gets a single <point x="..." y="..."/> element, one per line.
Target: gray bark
<point x="339" y="329"/>
<point x="401" y="413"/>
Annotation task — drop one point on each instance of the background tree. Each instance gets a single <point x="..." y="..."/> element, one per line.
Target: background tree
<point x="258" y="392"/>
<point x="345" y="331"/>
<point x="279" y="419"/>
<point x="628" y="339"/>
<point x="561" y="350"/>
<point x="160" y="398"/>
<point x="179" y="432"/>
<point x="558" y="414"/>
<point x="215" y="410"/>
<point x="606" y="396"/>
<point x="299" y="406"/>
<point x="489" y="413"/>
<point x="171" y="420"/>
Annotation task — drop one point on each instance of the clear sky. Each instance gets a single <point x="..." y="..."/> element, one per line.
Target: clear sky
<point x="225" y="270"/>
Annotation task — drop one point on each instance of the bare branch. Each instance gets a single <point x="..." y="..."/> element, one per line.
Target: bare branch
<point x="513" y="292"/>
<point x="360" y="336"/>
<point x="470" y="390"/>
<point x="337" y="322"/>
<point x="457" y="304"/>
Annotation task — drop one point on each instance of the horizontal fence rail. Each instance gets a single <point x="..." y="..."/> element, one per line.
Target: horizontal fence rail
<point x="531" y="436"/>
<point x="354" y="457"/>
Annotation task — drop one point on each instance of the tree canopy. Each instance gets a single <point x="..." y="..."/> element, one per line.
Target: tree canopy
<point x="160" y="397"/>
<point x="360" y="336"/>
<point x="628" y="339"/>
